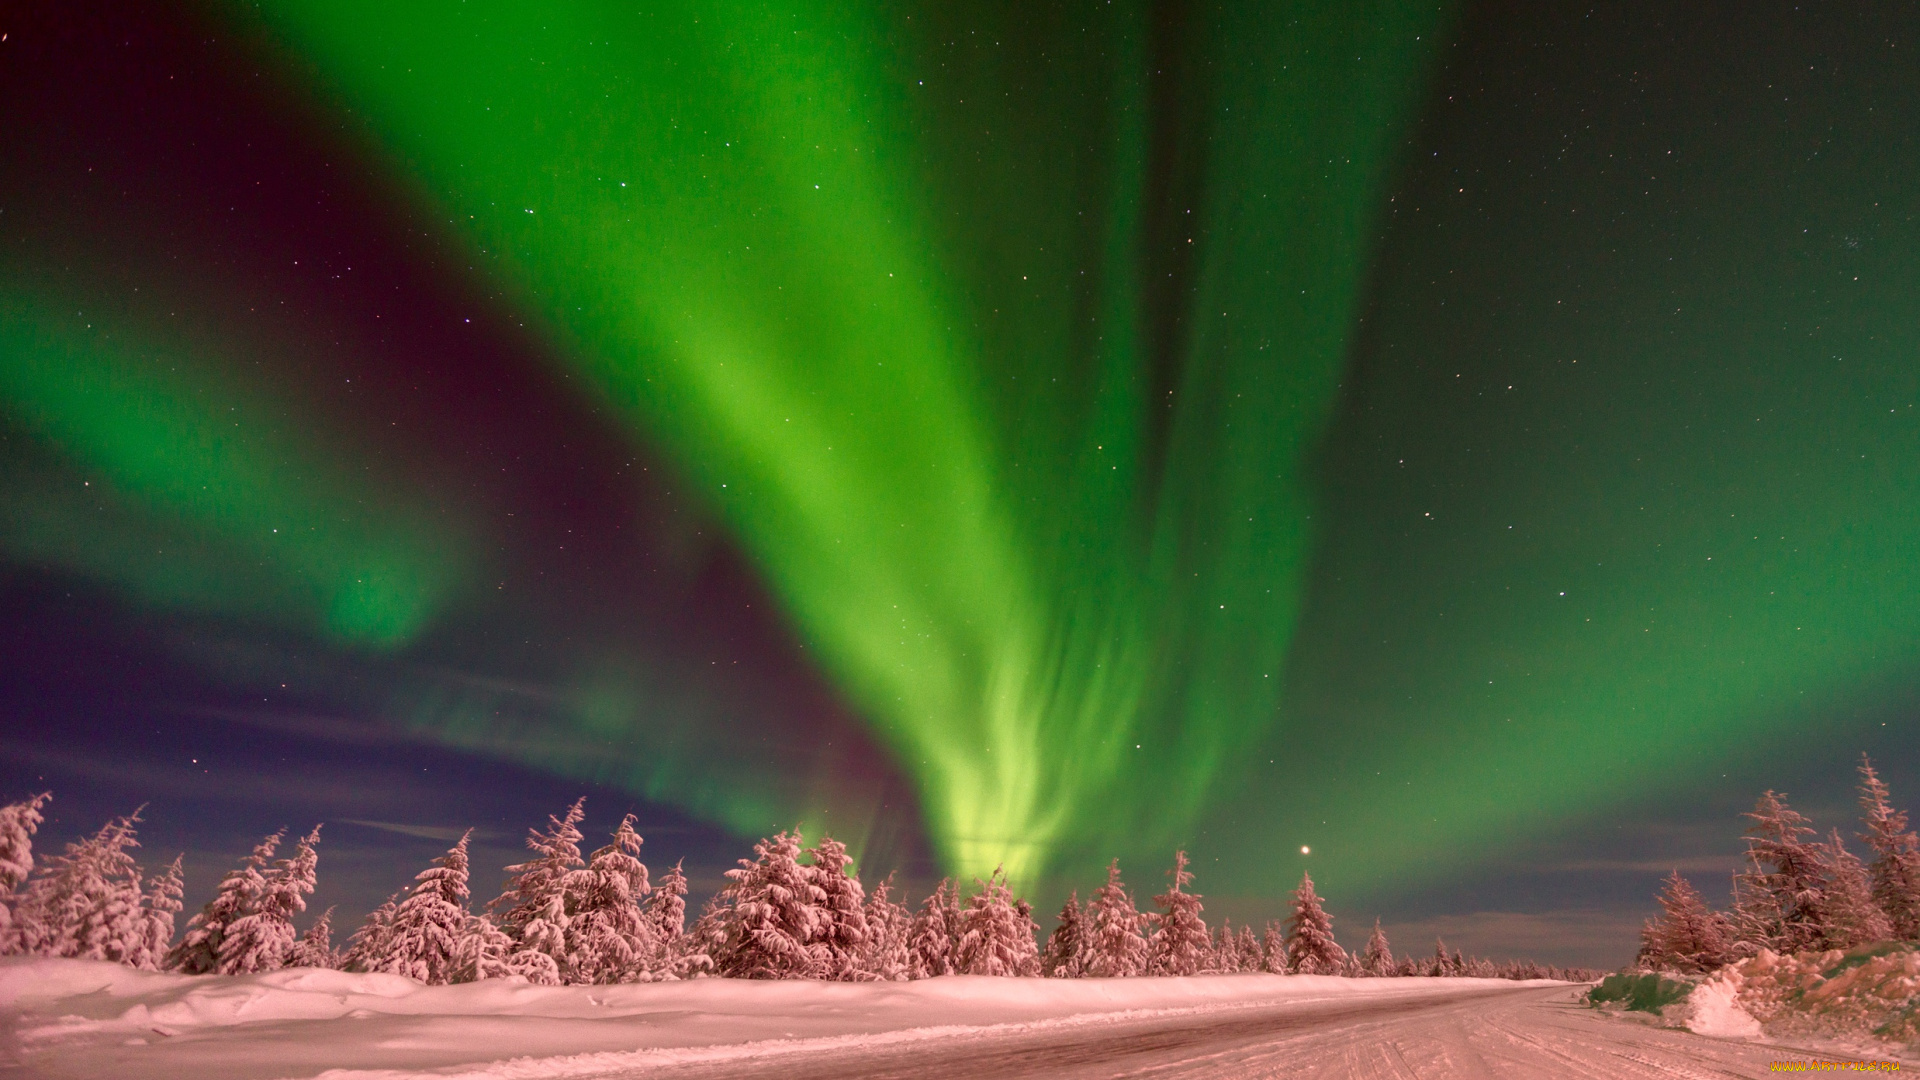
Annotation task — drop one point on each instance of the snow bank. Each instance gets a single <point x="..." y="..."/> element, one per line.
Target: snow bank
<point x="81" y="1018"/>
<point x="1873" y="990"/>
<point x="1713" y="1008"/>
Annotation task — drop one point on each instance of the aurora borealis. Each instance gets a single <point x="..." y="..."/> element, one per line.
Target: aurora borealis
<point x="1001" y="435"/>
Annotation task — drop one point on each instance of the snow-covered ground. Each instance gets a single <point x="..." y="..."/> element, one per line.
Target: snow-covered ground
<point x="69" y="1018"/>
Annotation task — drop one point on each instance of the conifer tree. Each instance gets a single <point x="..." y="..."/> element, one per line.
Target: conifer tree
<point x="260" y="939"/>
<point x="86" y="902"/>
<point x="198" y="951"/>
<point x="1377" y="959"/>
<point x="1249" y="949"/>
<point x="1848" y="913"/>
<point x="887" y="956"/>
<point x="533" y="909"/>
<point x="1179" y="943"/>
<point x="666" y="911"/>
<point x="935" y="927"/>
<point x="1225" y="958"/>
<point x="484" y="951"/>
<point x="1273" y="949"/>
<point x="18" y="822"/>
<point x="423" y="941"/>
<point x="995" y="938"/>
<point x="1064" y="956"/>
<point x="706" y="940"/>
<point x="842" y="937"/>
<point x="1030" y="934"/>
<point x="1689" y="936"/>
<point x="1784" y="885"/>
<point x="367" y="945"/>
<point x="1115" y="947"/>
<point x="1895" y="869"/>
<point x="1311" y="948"/>
<point x="162" y="903"/>
<point x="112" y="924"/>
<point x="613" y="940"/>
<point x="776" y="915"/>
<point x="1442" y="963"/>
<point x="315" y="947"/>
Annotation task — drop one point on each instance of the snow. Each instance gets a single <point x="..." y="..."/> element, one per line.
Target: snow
<point x="82" y="1018"/>
<point x="1713" y="1009"/>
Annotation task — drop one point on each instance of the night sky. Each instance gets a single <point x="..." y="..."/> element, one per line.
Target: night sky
<point x="1474" y="443"/>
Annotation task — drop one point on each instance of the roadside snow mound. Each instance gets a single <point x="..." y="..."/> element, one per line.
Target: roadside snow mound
<point x="1713" y="1008"/>
<point x="1871" y="990"/>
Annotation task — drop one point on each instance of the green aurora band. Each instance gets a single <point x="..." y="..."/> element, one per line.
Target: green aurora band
<point x="998" y="337"/>
<point x="176" y="480"/>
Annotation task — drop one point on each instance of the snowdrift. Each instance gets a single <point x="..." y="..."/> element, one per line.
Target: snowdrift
<point x="87" y="1019"/>
<point x="1873" y="991"/>
<point x="1860" y="997"/>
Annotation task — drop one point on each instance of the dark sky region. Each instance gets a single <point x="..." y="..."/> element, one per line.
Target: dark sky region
<point x="1472" y="443"/>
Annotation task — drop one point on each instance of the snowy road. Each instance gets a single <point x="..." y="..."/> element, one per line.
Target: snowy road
<point x="80" y="1020"/>
<point x="1522" y="1034"/>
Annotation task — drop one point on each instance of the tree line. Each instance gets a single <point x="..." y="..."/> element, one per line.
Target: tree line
<point x="1796" y="893"/>
<point x="565" y="917"/>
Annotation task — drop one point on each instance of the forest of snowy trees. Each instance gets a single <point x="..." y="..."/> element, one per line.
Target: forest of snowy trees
<point x="599" y="918"/>
<point x="1796" y="893"/>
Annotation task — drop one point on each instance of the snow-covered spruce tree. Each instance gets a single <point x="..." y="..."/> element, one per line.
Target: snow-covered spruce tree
<point x="1895" y="869"/>
<point x="542" y="955"/>
<point x="1848" y="912"/>
<point x="18" y="822"/>
<point x="114" y="926"/>
<point x="260" y="939"/>
<point x="706" y="940"/>
<point x="1065" y="954"/>
<point x="1784" y="886"/>
<point x="1377" y="958"/>
<point x="160" y="905"/>
<point x="776" y="915"/>
<point x="368" y="944"/>
<point x="887" y="956"/>
<point x="1030" y="931"/>
<point x="86" y="902"/>
<point x="1311" y="949"/>
<point x="841" y="941"/>
<point x="423" y="942"/>
<point x="1115" y="947"/>
<point x="612" y="940"/>
<point x="1688" y="936"/>
<point x="533" y="909"/>
<point x="935" y="927"/>
<point x="1249" y="949"/>
<point x="1179" y="943"/>
<point x="666" y="912"/>
<point x="1224" y="955"/>
<point x="198" y="951"/>
<point x="1273" y="949"/>
<point x="995" y="938"/>
<point x="484" y="951"/>
<point x="314" y="949"/>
